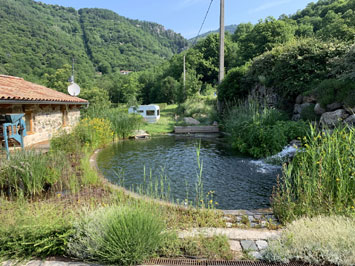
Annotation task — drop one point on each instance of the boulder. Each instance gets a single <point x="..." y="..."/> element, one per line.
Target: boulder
<point x="350" y="110"/>
<point x="331" y="119"/>
<point x="296" y="117"/>
<point x="299" y="99"/>
<point x="318" y="109"/>
<point x="299" y="107"/>
<point x="309" y="99"/>
<point x="350" y="120"/>
<point x="333" y="106"/>
<point x="191" y="121"/>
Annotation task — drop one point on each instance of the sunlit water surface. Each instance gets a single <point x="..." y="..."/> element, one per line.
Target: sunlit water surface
<point x="238" y="182"/>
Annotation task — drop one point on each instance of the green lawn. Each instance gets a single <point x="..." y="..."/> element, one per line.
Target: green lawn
<point x="166" y="122"/>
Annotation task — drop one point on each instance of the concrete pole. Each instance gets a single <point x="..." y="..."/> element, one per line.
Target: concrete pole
<point x="221" y="44"/>
<point x="221" y="53"/>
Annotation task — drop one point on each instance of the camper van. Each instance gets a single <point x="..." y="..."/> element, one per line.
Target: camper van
<point x="150" y="113"/>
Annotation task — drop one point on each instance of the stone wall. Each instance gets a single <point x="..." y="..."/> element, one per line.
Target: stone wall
<point x="47" y="120"/>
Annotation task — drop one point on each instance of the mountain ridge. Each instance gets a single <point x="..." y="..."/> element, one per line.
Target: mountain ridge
<point x="39" y="39"/>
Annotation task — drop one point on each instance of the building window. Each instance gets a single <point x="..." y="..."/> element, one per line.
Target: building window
<point x="150" y="112"/>
<point x="29" y="122"/>
<point x="65" y="116"/>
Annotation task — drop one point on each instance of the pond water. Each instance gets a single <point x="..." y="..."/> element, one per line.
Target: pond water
<point x="238" y="182"/>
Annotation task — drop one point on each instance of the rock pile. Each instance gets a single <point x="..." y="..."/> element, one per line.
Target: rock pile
<point x="331" y="115"/>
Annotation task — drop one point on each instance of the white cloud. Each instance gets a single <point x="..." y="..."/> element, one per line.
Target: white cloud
<point x="268" y="6"/>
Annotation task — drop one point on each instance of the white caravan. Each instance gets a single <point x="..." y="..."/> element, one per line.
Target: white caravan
<point x="150" y="113"/>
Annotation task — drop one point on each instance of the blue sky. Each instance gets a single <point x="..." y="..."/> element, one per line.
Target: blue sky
<point x="185" y="16"/>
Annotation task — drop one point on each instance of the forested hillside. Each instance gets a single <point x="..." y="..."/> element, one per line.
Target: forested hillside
<point x="292" y="54"/>
<point x="38" y="39"/>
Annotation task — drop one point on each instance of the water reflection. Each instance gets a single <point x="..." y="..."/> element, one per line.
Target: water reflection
<point x="237" y="181"/>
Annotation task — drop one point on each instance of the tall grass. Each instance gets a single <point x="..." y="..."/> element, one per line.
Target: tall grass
<point x="260" y="131"/>
<point x="321" y="178"/>
<point x="117" y="235"/>
<point x="33" y="230"/>
<point x="123" y="124"/>
<point x="31" y="173"/>
<point x="202" y="108"/>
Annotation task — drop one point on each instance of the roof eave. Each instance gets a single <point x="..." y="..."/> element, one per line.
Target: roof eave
<point x="41" y="102"/>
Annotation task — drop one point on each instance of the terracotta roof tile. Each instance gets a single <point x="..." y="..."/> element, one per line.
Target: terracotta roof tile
<point x="14" y="88"/>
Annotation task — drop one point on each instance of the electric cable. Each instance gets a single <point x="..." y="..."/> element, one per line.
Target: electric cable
<point x="203" y="22"/>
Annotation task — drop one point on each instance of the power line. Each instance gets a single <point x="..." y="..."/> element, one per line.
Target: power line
<point x="203" y="22"/>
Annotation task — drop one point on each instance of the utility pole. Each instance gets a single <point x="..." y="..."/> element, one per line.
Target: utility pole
<point x="221" y="50"/>
<point x="184" y="73"/>
<point x="221" y="43"/>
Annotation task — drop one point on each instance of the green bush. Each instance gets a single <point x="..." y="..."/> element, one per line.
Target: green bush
<point x="321" y="177"/>
<point x="294" y="67"/>
<point x="308" y="114"/>
<point x="33" y="230"/>
<point x="202" y="108"/>
<point x="333" y="90"/>
<point x="89" y="134"/>
<point x="30" y="173"/>
<point x="261" y="131"/>
<point x="117" y="235"/>
<point x="213" y="248"/>
<point x="235" y="85"/>
<point x="318" y="241"/>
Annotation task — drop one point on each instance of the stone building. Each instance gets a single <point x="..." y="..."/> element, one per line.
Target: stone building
<point x="46" y="111"/>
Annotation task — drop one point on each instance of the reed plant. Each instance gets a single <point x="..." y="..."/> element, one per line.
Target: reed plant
<point x="261" y="131"/>
<point x="321" y="177"/>
<point x="30" y="173"/>
<point x="157" y="187"/>
<point x="123" y="124"/>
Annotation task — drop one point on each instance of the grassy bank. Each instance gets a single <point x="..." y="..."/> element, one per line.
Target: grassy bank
<point x="166" y="122"/>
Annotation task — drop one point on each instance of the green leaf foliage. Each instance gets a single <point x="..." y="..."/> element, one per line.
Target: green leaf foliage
<point x="38" y="39"/>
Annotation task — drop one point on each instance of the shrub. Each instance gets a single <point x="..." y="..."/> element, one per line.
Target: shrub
<point x="202" y="108"/>
<point x="333" y="90"/>
<point x="320" y="179"/>
<point x="294" y="67"/>
<point x="308" y="114"/>
<point x="234" y="86"/>
<point x="33" y="230"/>
<point x="31" y="173"/>
<point x="117" y="235"/>
<point x="213" y="248"/>
<point x="93" y="133"/>
<point x="261" y="131"/>
<point x="319" y="240"/>
<point x="89" y="134"/>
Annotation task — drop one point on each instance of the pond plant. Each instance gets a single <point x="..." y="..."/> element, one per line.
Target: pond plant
<point x="321" y="178"/>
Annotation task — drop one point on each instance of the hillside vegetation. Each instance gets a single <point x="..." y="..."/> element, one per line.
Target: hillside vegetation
<point x="38" y="39"/>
